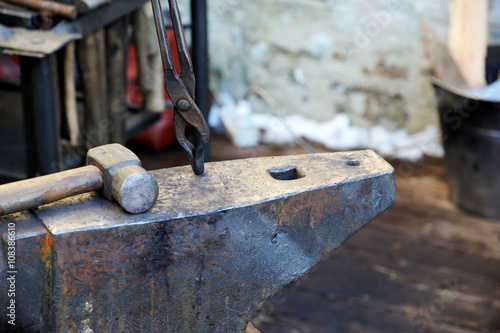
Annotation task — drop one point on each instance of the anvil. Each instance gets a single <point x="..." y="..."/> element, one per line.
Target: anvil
<point x="203" y="259"/>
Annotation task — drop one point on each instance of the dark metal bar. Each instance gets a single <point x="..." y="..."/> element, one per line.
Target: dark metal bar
<point x="15" y="16"/>
<point x="41" y="111"/>
<point x="186" y="65"/>
<point x="29" y="125"/>
<point x="492" y="64"/>
<point x="166" y="55"/>
<point x="200" y="60"/>
<point x="99" y="17"/>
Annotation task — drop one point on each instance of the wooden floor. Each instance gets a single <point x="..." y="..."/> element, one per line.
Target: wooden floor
<point x="421" y="266"/>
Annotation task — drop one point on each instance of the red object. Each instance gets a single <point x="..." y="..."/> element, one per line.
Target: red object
<point x="9" y="68"/>
<point x="159" y="136"/>
<point x="162" y="134"/>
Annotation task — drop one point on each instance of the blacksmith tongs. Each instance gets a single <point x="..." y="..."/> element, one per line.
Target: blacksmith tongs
<point x="181" y="87"/>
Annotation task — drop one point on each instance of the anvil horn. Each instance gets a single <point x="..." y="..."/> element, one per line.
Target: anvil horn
<point x="203" y="259"/>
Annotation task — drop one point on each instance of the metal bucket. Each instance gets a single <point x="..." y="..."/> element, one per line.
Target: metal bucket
<point x="471" y="138"/>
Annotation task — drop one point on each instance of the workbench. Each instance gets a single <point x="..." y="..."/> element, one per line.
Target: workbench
<point x="41" y="97"/>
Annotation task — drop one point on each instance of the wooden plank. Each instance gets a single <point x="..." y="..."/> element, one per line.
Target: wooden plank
<point x="424" y="211"/>
<point x="283" y="323"/>
<point x="419" y="275"/>
<point x="441" y="62"/>
<point x="150" y="70"/>
<point x="91" y="52"/>
<point x="70" y="94"/>
<point x="116" y="51"/>
<point x="474" y="235"/>
<point x="432" y="252"/>
<point x="468" y="38"/>
<point x="447" y="236"/>
<point x="370" y="293"/>
<point x="407" y="287"/>
<point x="351" y="315"/>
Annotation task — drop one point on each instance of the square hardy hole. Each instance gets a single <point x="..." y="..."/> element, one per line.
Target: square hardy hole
<point x="286" y="172"/>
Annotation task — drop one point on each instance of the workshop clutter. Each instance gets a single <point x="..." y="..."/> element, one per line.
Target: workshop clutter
<point x="103" y="79"/>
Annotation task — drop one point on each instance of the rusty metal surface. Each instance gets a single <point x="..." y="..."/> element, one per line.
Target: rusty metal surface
<point x="33" y="277"/>
<point x="198" y="261"/>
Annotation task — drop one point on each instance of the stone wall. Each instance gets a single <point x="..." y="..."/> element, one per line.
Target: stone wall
<point x="323" y="57"/>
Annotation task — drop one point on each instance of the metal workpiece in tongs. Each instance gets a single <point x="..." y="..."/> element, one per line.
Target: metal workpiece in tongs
<point x="181" y="87"/>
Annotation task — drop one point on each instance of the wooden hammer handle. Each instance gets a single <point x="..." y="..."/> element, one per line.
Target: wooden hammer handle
<point x="51" y="7"/>
<point x="31" y="193"/>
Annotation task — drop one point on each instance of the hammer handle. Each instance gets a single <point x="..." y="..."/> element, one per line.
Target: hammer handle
<point x="31" y="193"/>
<point x="51" y="7"/>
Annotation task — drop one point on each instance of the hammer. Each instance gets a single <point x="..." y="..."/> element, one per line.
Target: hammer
<point x="112" y="169"/>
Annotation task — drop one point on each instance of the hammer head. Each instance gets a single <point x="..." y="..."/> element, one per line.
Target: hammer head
<point x="124" y="178"/>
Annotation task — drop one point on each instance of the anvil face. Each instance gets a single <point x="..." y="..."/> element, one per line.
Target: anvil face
<point x="203" y="259"/>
